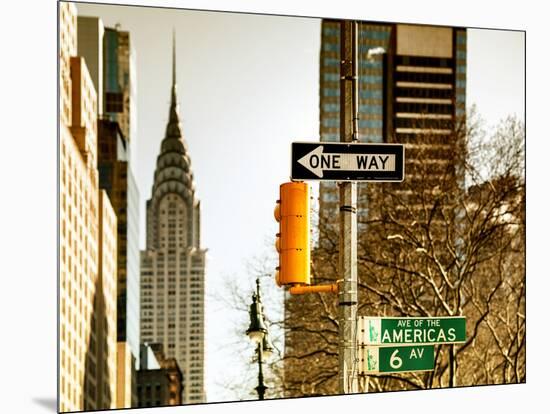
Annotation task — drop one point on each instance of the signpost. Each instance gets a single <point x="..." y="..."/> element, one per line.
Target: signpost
<point x="324" y="161"/>
<point x="383" y="359"/>
<point x="437" y="330"/>
<point x="393" y="344"/>
<point x="386" y="344"/>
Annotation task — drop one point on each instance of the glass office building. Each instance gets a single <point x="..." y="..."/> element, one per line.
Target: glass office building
<point x="120" y="82"/>
<point x="416" y="75"/>
<point x="116" y="177"/>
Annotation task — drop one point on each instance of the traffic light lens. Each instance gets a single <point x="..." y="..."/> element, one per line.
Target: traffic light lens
<point x="277" y="211"/>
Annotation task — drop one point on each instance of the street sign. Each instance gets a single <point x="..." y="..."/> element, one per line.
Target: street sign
<point x="438" y="330"/>
<point x="324" y="161"/>
<point x="383" y="359"/>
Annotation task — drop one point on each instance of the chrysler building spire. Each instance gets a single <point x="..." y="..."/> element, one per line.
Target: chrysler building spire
<point x="174" y="118"/>
<point x="173" y="173"/>
<point x="173" y="63"/>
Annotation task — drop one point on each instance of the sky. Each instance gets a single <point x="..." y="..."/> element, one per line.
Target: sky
<point x="247" y="88"/>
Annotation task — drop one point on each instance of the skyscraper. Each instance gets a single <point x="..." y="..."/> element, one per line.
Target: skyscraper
<point x="411" y="89"/>
<point x="173" y="264"/>
<point x="87" y="240"/>
<point x="116" y="177"/>
<point x="120" y="82"/>
<point x="113" y="75"/>
<point x="412" y="81"/>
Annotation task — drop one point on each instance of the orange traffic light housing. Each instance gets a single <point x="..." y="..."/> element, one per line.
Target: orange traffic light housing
<point x="293" y="239"/>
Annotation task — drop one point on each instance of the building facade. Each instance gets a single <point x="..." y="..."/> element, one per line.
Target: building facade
<point x="90" y="46"/>
<point x="116" y="177"/>
<point x="102" y="354"/>
<point x="411" y="87"/>
<point x="87" y="243"/>
<point x="173" y="265"/>
<point x="113" y="75"/>
<point x="412" y="91"/>
<point x="126" y="379"/>
<point x="160" y="381"/>
<point x="120" y="81"/>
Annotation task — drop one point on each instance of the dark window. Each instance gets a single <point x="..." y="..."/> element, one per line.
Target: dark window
<point x="113" y="102"/>
<point x="424" y="61"/>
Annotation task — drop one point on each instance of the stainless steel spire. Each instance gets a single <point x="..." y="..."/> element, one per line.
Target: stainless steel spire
<point x="174" y="100"/>
<point x="173" y="58"/>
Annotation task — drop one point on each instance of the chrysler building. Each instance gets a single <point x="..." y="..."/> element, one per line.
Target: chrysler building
<point x="173" y="264"/>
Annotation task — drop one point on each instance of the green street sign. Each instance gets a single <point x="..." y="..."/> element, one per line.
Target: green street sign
<point x="384" y="359"/>
<point x="390" y="330"/>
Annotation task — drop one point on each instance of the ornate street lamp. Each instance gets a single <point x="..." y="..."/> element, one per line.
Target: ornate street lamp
<point x="257" y="332"/>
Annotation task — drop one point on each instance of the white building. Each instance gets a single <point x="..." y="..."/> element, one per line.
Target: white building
<point x="173" y="265"/>
<point x="87" y="240"/>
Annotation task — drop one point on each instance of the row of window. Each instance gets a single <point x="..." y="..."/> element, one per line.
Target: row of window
<point x="171" y="212"/>
<point x="195" y="397"/>
<point x="172" y="256"/>
<point x="421" y="108"/>
<point x="172" y="263"/>
<point x="367" y="109"/>
<point x="363" y="123"/>
<point x="424" y="61"/>
<point x="172" y="225"/>
<point x="424" y="77"/>
<point x="147" y="291"/>
<point x="364" y="93"/>
<point x="423" y="123"/>
<point x="171" y="308"/>
<point x="411" y="92"/>
<point x="171" y="314"/>
<point x="160" y="280"/>
<point x="363" y="79"/>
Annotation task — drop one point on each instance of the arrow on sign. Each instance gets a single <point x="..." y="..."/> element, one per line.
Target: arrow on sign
<point x="317" y="162"/>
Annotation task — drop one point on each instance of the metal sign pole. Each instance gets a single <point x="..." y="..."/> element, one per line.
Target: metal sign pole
<point x="347" y="296"/>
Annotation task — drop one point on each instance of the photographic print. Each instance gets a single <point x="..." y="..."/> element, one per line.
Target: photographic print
<point x="263" y="207"/>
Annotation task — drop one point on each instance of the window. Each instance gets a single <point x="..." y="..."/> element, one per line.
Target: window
<point x="113" y="102"/>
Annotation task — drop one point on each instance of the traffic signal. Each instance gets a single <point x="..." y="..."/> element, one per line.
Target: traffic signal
<point x="293" y="239"/>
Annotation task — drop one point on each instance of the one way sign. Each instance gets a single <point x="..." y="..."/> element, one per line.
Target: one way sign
<point x="347" y="162"/>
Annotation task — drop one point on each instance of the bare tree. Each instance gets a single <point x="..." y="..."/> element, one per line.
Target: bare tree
<point x="448" y="241"/>
<point x="237" y="296"/>
<point x="433" y="247"/>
